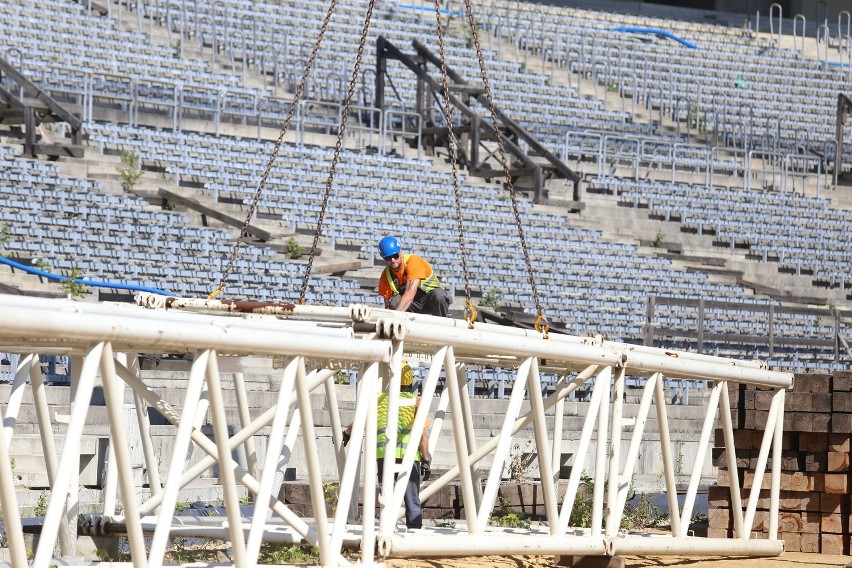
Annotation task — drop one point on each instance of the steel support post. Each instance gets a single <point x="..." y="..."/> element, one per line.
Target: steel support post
<point x="62" y="503"/>
<point x="613" y="522"/>
<point x="504" y="444"/>
<point x="605" y="377"/>
<point x="276" y="459"/>
<point x="245" y="418"/>
<point x="180" y="450"/>
<point x="731" y="455"/>
<point x="668" y="462"/>
<point x="114" y="395"/>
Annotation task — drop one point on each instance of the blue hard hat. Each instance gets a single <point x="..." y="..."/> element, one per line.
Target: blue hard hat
<point x="389" y="246"/>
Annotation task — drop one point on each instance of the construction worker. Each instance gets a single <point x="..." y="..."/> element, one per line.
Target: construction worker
<point x="408" y="283"/>
<point x="421" y="470"/>
<point x="408" y="405"/>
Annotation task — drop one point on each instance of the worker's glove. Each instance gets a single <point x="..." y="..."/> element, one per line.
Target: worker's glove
<point x="346" y="437"/>
<point x="425" y="470"/>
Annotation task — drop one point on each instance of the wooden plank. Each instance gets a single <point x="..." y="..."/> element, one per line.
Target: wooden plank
<point x="215" y="214"/>
<point x="70" y="150"/>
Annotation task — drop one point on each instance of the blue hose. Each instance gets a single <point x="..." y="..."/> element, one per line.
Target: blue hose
<point x="85" y="282"/>
<point x="670" y="35"/>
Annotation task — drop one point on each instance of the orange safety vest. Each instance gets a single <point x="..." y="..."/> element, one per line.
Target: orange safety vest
<point x="426" y="284"/>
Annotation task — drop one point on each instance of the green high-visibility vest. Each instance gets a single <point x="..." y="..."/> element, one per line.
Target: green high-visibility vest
<point x="405" y="421"/>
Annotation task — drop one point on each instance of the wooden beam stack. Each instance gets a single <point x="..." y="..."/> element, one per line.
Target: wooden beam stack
<point x="815" y="505"/>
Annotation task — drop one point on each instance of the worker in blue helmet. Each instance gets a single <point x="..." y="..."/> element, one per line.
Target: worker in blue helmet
<point x="408" y="283"/>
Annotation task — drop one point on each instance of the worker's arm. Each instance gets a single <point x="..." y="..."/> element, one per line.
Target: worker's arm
<point x="424" y="446"/>
<point x="408" y="295"/>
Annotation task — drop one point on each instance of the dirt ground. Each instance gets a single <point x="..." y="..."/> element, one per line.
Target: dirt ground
<point x="788" y="560"/>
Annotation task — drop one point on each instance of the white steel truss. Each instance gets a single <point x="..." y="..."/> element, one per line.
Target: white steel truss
<point x="315" y="342"/>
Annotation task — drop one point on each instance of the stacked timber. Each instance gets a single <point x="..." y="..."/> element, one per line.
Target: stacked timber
<point x="815" y="503"/>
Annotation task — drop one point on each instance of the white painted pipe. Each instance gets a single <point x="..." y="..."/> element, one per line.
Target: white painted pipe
<point x="688" y="368"/>
<point x="614" y="480"/>
<point x="245" y="418"/>
<point x="731" y="455"/>
<point x="668" y="462"/>
<point x="651" y="545"/>
<point x="473" y="341"/>
<point x="16" y="395"/>
<point x="368" y="524"/>
<point x="604" y="378"/>
<point x="180" y="450"/>
<point x="762" y="457"/>
<point x="504" y="444"/>
<point x="233" y="336"/>
<point x="270" y="466"/>
<point x="563" y="390"/>
<point x="430" y="544"/>
<point x="636" y="440"/>
<point x="543" y="448"/>
<point x="8" y="499"/>
<point x="462" y="451"/>
<point x="69" y="461"/>
<point x="114" y="396"/>
<point x="580" y="457"/>
<point x="700" y="455"/>
<point x="775" y="484"/>
<point x="312" y="458"/>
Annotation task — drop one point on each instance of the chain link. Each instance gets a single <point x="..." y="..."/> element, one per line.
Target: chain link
<point x="452" y="144"/>
<point x="505" y="163"/>
<point x="338" y="145"/>
<point x="260" y="187"/>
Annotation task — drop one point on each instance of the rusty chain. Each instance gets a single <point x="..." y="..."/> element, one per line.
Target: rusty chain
<point x="470" y="312"/>
<point x="541" y="324"/>
<point x="337" y="146"/>
<point x="229" y="266"/>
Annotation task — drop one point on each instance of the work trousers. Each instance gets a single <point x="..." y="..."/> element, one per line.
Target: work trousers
<point x="434" y="303"/>
<point x="413" y="509"/>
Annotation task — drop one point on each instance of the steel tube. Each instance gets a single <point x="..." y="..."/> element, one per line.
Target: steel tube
<point x="775" y="485"/>
<point x="465" y="389"/>
<point x="114" y="395"/>
<point x="8" y="499"/>
<point x="677" y="367"/>
<point x="580" y="457"/>
<point x="272" y="461"/>
<point x="368" y="524"/>
<point x="731" y="455"/>
<point x="520" y="423"/>
<point x="69" y="461"/>
<point x="666" y="451"/>
<point x="483" y="343"/>
<point x="699" y="546"/>
<point x="763" y="455"/>
<point x="13" y="405"/>
<point x="614" y="467"/>
<point x="636" y="439"/>
<point x="234" y="337"/>
<point x="312" y="458"/>
<point x="543" y="448"/>
<point x="703" y="446"/>
<point x="388" y="517"/>
<point x="180" y="450"/>
<point x="462" y="451"/>
<point x="604" y="377"/>
<point x="245" y="418"/>
<point x="404" y="546"/>
<point x="504" y="443"/>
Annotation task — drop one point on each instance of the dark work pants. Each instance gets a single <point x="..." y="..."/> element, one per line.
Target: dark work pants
<point x="434" y="303"/>
<point x="413" y="510"/>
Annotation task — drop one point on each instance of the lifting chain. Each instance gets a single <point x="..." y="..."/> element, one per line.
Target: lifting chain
<point x="337" y="146"/>
<point x="541" y="324"/>
<point x="470" y="311"/>
<point x="290" y="112"/>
